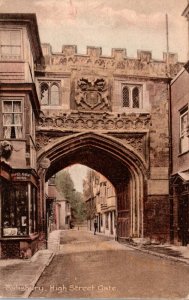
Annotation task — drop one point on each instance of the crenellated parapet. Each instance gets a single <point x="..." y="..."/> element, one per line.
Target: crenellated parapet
<point x="117" y="63"/>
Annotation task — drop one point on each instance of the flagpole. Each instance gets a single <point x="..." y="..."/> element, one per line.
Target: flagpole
<point x="167" y="43"/>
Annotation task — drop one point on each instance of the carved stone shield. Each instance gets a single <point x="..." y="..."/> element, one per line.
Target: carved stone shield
<point x="92" y="98"/>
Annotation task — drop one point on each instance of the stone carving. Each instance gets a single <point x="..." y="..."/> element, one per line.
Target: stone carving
<point x="135" y="140"/>
<point x="95" y="121"/>
<point x="92" y="94"/>
<point x="42" y="140"/>
<point x="6" y="149"/>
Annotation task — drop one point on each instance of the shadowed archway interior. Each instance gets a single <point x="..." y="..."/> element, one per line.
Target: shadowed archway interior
<point x="118" y="164"/>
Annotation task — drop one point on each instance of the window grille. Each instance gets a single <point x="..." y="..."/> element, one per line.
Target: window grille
<point x="50" y="93"/>
<point x="135" y="96"/>
<point x="126" y="102"/>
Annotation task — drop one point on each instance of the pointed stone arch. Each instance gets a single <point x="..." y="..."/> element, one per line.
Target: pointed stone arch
<point x="120" y="163"/>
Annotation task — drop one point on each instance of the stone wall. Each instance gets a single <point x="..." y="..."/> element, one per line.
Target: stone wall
<point x="91" y="101"/>
<point x="157" y="218"/>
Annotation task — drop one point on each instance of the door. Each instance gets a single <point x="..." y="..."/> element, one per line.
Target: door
<point x="184" y="220"/>
<point x="123" y="212"/>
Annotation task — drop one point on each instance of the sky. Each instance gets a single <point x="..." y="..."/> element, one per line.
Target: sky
<point x="130" y="24"/>
<point x="78" y="173"/>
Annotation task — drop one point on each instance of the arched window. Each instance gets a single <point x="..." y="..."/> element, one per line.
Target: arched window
<point x="126" y="102"/>
<point x="135" y="97"/>
<point x="54" y="94"/>
<point x="44" y="93"/>
<point x="50" y="93"/>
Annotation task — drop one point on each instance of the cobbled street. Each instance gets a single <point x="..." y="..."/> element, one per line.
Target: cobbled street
<point x="95" y="266"/>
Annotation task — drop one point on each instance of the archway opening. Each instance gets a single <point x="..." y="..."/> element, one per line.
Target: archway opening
<point x="114" y="161"/>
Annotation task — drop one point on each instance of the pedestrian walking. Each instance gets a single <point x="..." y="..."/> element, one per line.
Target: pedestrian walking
<point x="95" y="226"/>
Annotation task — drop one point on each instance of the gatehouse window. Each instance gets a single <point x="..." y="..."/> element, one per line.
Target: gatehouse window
<point x="50" y="93"/>
<point x="132" y="96"/>
<point x="44" y="94"/>
<point x="135" y="97"/>
<point x="54" y="94"/>
<point x="12" y="119"/>
<point x="10" y="44"/>
<point x="184" y="140"/>
<point x="126" y="98"/>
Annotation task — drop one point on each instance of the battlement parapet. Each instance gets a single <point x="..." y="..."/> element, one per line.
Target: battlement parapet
<point x="118" y="62"/>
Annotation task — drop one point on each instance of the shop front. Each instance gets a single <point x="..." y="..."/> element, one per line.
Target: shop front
<point x="19" y="214"/>
<point x="180" y="208"/>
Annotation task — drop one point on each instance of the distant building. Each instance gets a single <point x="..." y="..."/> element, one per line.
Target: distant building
<point x="101" y="204"/>
<point x="106" y="207"/>
<point x="58" y="208"/>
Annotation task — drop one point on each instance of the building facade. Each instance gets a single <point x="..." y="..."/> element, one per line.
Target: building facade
<point x="20" y="51"/>
<point x="179" y="180"/>
<point x="109" y="113"/>
<point x="58" y="209"/>
<point x="105" y="206"/>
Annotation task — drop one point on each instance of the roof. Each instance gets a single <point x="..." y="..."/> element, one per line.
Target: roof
<point x="184" y="176"/>
<point x="29" y="20"/>
<point x="186" y="11"/>
<point x="54" y="193"/>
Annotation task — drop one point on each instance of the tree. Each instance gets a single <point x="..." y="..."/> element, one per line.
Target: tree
<point x="65" y="186"/>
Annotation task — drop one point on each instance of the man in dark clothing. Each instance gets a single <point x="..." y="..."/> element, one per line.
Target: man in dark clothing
<point x="95" y="226"/>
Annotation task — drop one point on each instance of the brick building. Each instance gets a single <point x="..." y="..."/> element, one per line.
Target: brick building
<point x="179" y="181"/>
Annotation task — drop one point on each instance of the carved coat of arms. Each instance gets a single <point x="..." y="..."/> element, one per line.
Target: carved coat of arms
<point x="92" y="94"/>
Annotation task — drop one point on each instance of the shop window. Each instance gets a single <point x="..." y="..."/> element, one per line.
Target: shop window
<point x="12" y="119"/>
<point x="33" y="211"/>
<point x="184" y="141"/>
<point x="132" y="96"/>
<point x="10" y="44"/>
<point x="50" y="93"/>
<point x="15" y="211"/>
<point x="19" y="215"/>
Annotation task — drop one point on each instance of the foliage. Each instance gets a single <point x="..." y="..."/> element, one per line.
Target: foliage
<point x="88" y="183"/>
<point x="65" y="186"/>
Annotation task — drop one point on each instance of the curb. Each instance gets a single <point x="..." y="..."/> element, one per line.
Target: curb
<point x="41" y="270"/>
<point x="161" y="255"/>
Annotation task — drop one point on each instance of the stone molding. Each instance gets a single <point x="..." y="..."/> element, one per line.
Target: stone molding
<point x="135" y="141"/>
<point x="95" y="121"/>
